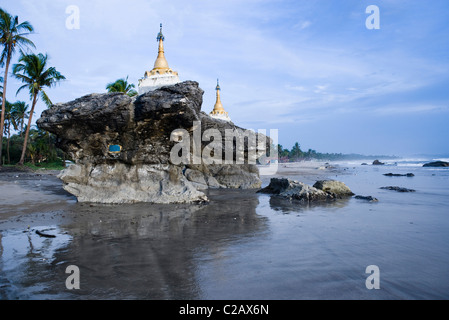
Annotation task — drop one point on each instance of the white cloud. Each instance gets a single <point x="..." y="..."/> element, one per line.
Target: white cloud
<point x="302" y="25"/>
<point x="407" y="109"/>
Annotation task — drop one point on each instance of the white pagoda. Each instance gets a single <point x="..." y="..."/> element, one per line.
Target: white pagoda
<point x="219" y="112"/>
<point x="161" y="75"/>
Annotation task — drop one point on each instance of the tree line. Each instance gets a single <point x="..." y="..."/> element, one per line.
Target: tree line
<point x="296" y="154"/>
<point x="36" y="76"/>
<point x="20" y="141"/>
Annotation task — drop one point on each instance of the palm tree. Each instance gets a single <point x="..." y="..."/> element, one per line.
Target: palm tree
<point x="21" y="112"/>
<point x="122" y="85"/>
<point x="296" y="151"/>
<point x="32" y="150"/>
<point x="32" y="70"/>
<point x="12" y="35"/>
<point x="10" y="119"/>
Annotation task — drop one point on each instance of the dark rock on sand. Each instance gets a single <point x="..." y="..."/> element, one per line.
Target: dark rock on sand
<point x="398" y="189"/>
<point x="367" y="198"/>
<point x="334" y="187"/>
<point x="399" y="175"/>
<point x="294" y="190"/>
<point x="122" y="147"/>
<point x="437" y="164"/>
<point x="377" y="163"/>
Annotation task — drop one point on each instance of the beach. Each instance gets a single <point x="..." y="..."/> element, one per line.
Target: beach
<point x="242" y="245"/>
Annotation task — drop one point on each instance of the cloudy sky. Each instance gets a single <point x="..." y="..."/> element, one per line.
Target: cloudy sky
<point x="309" y="68"/>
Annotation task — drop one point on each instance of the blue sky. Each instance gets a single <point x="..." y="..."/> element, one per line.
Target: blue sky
<point x="309" y="68"/>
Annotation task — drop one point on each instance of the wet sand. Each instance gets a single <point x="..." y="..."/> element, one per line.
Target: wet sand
<point x="242" y="245"/>
<point x="23" y="193"/>
<point x="162" y="238"/>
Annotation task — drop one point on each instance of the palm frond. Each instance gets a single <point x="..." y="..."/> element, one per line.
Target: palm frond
<point x="23" y="42"/>
<point x="21" y="108"/>
<point x="46" y="99"/>
<point x="32" y="70"/>
<point x="21" y="88"/>
<point x="122" y="85"/>
<point x="13" y="35"/>
<point x="25" y="26"/>
<point x="3" y="56"/>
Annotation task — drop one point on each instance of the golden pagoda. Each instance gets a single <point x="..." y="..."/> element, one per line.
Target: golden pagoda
<point x="219" y="112"/>
<point x="161" y="74"/>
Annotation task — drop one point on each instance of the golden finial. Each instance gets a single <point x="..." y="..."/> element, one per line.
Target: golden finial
<point x="218" y="105"/>
<point x="219" y="112"/>
<point x="160" y="36"/>
<point x="218" y="86"/>
<point x="161" y="62"/>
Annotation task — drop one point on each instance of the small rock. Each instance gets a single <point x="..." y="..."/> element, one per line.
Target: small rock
<point x="399" y="175"/>
<point x="294" y="190"/>
<point x="367" y="198"/>
<point x="398" y="189"/>
<point x="377" y="163"/>
<point x="333" y="187"/>
<point x="437" y="164"/>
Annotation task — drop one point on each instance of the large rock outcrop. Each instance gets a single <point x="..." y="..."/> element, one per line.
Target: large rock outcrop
<point x="123" y="147"/>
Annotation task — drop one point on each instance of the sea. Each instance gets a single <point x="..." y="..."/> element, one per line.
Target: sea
<point x="245" y="245"/>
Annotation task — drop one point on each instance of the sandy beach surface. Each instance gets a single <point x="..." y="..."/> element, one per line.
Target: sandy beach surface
<point x="242" y="245"/>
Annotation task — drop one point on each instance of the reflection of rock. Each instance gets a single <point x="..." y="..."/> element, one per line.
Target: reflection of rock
<point x="280" y="204"/>
<point x="437" y="164"/>
<point x="294" y="190"/>
<point x="398" y="189"/>
<point x="335" y="187"/>
<point x="399" y="175"/>
<point x="153" y="251"/>
<point x="122" y="147"/>
<point x="377" y="163"/>
<point x="367" y="198"/>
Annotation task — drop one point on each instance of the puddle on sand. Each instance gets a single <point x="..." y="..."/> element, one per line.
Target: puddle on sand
<point x="27" y="257"/>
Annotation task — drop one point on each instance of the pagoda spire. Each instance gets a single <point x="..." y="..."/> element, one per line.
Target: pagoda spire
<point x="160" y="63"/>
<point x="218" y="105"/>
<point x="219" y="112"/>
<point x="160" y="36"/>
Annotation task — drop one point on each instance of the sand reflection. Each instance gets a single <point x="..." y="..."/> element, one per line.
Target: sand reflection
<point x="152" y="251"/>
